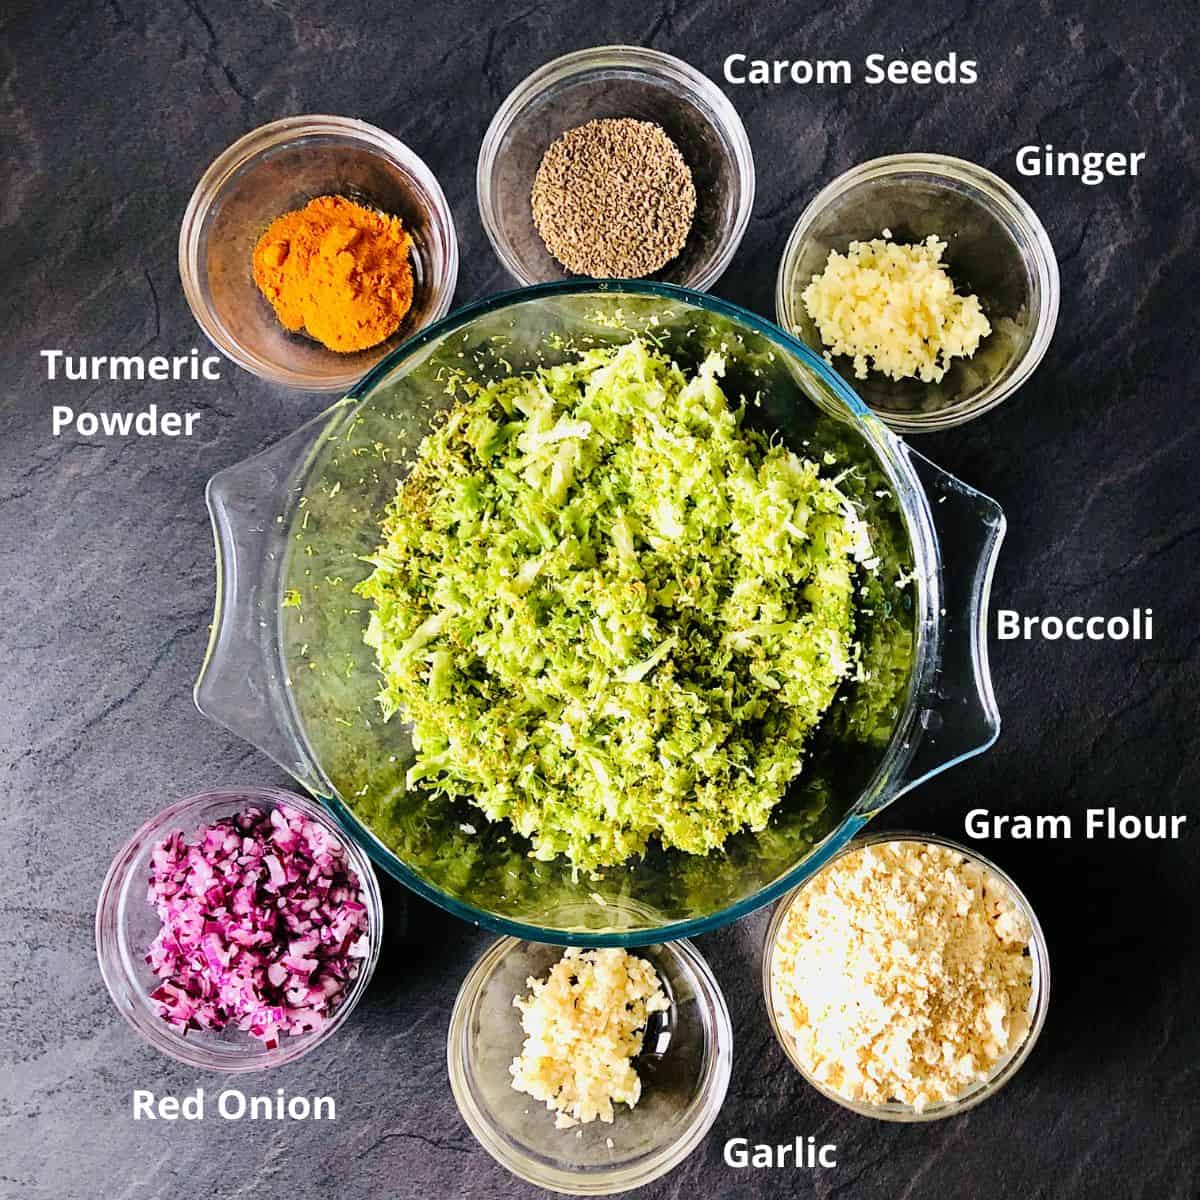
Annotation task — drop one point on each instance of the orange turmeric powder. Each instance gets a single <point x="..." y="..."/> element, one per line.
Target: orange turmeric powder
<point x="338" y="270"/>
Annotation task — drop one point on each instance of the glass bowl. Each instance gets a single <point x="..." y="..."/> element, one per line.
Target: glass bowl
<point x="287" y="667"/>
<point x="126" y="924"/>
<point x="280" y="167"/>
<point x="996" y="248"/>
<point x="1039" y="996"/>
<point x="617" y="81"/>
<point x="684" y="1067"/>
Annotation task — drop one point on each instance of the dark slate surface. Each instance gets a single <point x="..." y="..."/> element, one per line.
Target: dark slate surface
<point x="109" y="113"/>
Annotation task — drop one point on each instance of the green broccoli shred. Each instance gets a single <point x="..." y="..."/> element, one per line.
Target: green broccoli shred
<point x="609" y="611"/>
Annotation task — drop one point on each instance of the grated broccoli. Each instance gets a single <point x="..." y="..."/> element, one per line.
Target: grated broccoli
<point x="609" y="612"/>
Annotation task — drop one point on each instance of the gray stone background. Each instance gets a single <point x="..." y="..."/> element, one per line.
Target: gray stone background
<point x="110" y="111"/>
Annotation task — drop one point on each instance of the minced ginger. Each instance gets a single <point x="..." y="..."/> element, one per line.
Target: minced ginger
<point x="584" y="1024"/>
<point x="894" y="308"/>
<point x="901" y="972"/>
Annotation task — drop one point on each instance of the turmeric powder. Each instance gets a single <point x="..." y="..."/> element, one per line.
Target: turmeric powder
<point x="337" y="270"/>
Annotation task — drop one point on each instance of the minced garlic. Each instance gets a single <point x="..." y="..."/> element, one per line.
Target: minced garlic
<point x="895" y="308"/>
<point x="584" y="1024"/>
<point x="902" y="972"/>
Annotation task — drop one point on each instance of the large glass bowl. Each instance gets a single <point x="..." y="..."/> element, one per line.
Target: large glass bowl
<point x="287" y="668"/>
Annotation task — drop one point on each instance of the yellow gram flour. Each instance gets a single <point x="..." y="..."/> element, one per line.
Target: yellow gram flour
<point x="901" y="972"/>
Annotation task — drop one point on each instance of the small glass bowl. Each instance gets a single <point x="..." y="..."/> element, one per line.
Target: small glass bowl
<point x="1039" y="994"/>
<point x="685" y="1069"/>
<point x="126" y="925"/>
<point x="996" y="248"/>
<point x="273" y="170"/>
<point x="607" y="82"/>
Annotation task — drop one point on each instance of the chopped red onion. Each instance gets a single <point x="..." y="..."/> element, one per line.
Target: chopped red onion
<point x="263" y="925"/>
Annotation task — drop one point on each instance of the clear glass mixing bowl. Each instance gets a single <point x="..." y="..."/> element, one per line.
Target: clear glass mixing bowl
<point x="288" y="670"/>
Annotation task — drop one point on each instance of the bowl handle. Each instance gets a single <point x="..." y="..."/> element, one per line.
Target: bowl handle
<point x="242" y="684"/>
<point x="959" y="717"/>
